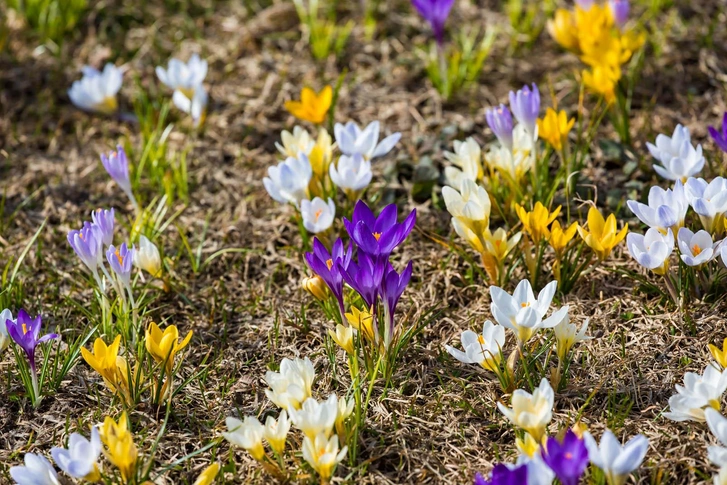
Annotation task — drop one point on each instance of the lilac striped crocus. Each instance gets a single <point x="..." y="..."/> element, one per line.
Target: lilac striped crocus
<point x="393" y="285"/>
<point x="720" y="136"/>
<point x="436" y="13"/>
<point x="327" y="266"/>
<point x="88" y="244"/>
<point x="104" y="220"/>
<point x="117" y="166"/>
<point x="500" y="121"/>
<point x="378" y="236"/>
<point x="121" y="260"/>
<point x="25" y="332"/>
<point x="525" y="105"/>
<point x="619" y="11"/>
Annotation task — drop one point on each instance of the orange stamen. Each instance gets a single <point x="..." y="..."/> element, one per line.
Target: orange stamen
<point x="377" y="235"/>
<point x="329" y="263"/>
<point x="25" y="329"/>
<point x="118" y="256"/>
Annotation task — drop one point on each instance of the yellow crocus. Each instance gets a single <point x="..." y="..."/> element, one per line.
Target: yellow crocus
<point x="120" y="447"/>
<point x="362" y="321"/>
<point x="316" y="287"/>
<point x="106" y="361"/>
<point x="554" y="127"/>
<point x="208" y="475"/>
<point x="527" y="446"/>
<point x="720" y="355"/>
<point x="321" y="154"/>
<point x="498" y="245"/>
<point x="312" y="106"/>
<point x="602" y="80"/>
<point x="562" y="29"/>
<point x="163" y="346"/>
<point x="536" y="222"/>
<point x="343" y="336"/>
<point x="602" y="235"/>
<point x="560" y="238"/>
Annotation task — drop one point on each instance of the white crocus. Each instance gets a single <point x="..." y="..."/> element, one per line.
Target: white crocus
<point x="276" y="431"/>
<point x="322" y="454"/>
<point x="666" y="209"/>
<point x="288" y="181"/>
<point x="531" y="412"/>
<point x="524" y="313"/>
<point x="345" y="409"/>
<point x="538" y="472"/>
<point x="354" y="141"/>
<point x="467" y="156"/>
<point x="79" y="460"/>
<point x="246" y="434"/>
<point x="679" y="159"/>
<point x="651" y="250"/>
<point x="470" y="206"/>
<point x="696" y="248"/>
<point x="196" y="106"/>
<point x="567" y="335"/>
<point x="37" y="471"/>
<point x="351" y="173"/>
<point x="293" y="143"/>
<point x="617" y="462"/>
<point x="698" y="393"/>
<point x="718" y="426"/>
<point x="709" y="201"/>
<point x="721" y="477"/>
<point x="147" y="257"/>
<point x="5" y="315"/>
<point x="484" y="349"/>
<point x="513" y="163"/>
<point x="317" y="214"/>
<point x="183" y="77"/>
<point x="292" y="385"/>
<point x="314" y="417"/>
<point x="96" y="91"/>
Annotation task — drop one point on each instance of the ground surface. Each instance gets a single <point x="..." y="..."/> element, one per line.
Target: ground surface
<point x="439" y="424"/>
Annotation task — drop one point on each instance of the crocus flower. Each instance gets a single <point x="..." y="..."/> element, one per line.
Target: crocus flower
<point x="316" y="287"/>
<point x="362" y="321"/>
<point x="502" y="475"/>
<point x="5" y="315"/>
<point x="96" y="91"/>
<point x="25" y="332"/>
<point x="195" y="106"/>
<point x="183" y="77"/>
<point x="106" y="360"/>
<point x="559" y="237"/>
<point x="525" y="105"/>
<point x="531" y="412"/>
<point x="562" y="28"/>
<point x="322" y="454"/>
<point x="484" y="349"/>
<point x="288" y="181"/>
<point x="718" y="426"/>
<point x="87" y="244"/>
<point x="121" y="260"/>
<point x="698" y="393"/>
<point x="296" y="142"/>
<point x="721" y="477"/>
<point x="120" y="448"/>
<point x="616" y="461"/>
<point x="354" y="141"/>
<point x="719" y="355"/>
<point x="602" y="79"/>
<point x="554" y="127"/>
<point x="343" y="336"/>
<point x="104" y="219"/>
<point x="500" y="121"/>
<point x="208" y="475"/>
<point x="291" y="386"/>
<point x="276" y="431"/>
<point x="469" y="206"/>
<point x="536" y="222"/>
<point x="317" y="214"/>
<point x="567" y="335"/>
<point x="720" y="136"/>
<point x="467" y="156"/>
<point x="568" y="459"/>
<point x="498" y="245"/>
<point x="351" y="173"/>
<point x="315" y="417"/>
<point x="326" y="265"/>
<point x="696" y="249"/>
<point x="435" y="12"/>
<point x="651" y="250"/>
<point x="164" y="346"/>
<point x="37" y="471"/>
<point x="513" y="164"/>
<point x="80" y="459"/>
<point x="666" y="210"/>
<point x="246" y="434"/>
<point x="393" y="285"/>
<point x="524" y="313"/>
<point x="709" y="201"/>
<point x="378" y="236"/>
<point x="147" y="257"/>
<point x="312" y="106"/>
<point x="345" y="409"/>
<point x="679" y="159"/>
<point x="620" y="11"/>
<point x="117" y="166"/>
<point x="364" y="276"/>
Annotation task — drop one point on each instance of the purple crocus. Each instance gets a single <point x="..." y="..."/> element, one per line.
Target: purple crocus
<point x="720" y="137"/>
<point x="503" y="475"/>
<point x="87" y="243"/>
<point x="326" y="265"/>
<point x="620" y="11"/>
<point x="392" y="286"/>
<point x="525" y="105"/>
<point x="25" y="331"/>
<point x="104" y="219"/>
<point x="435" y="12"/>
<point x="117" y="166"/>
<point x="121" y="260"/>
<point x="365" y="277"/>
<point x="568" y="459"/>
<point x="378" y="236"/>
<point x="500" y="121"/>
